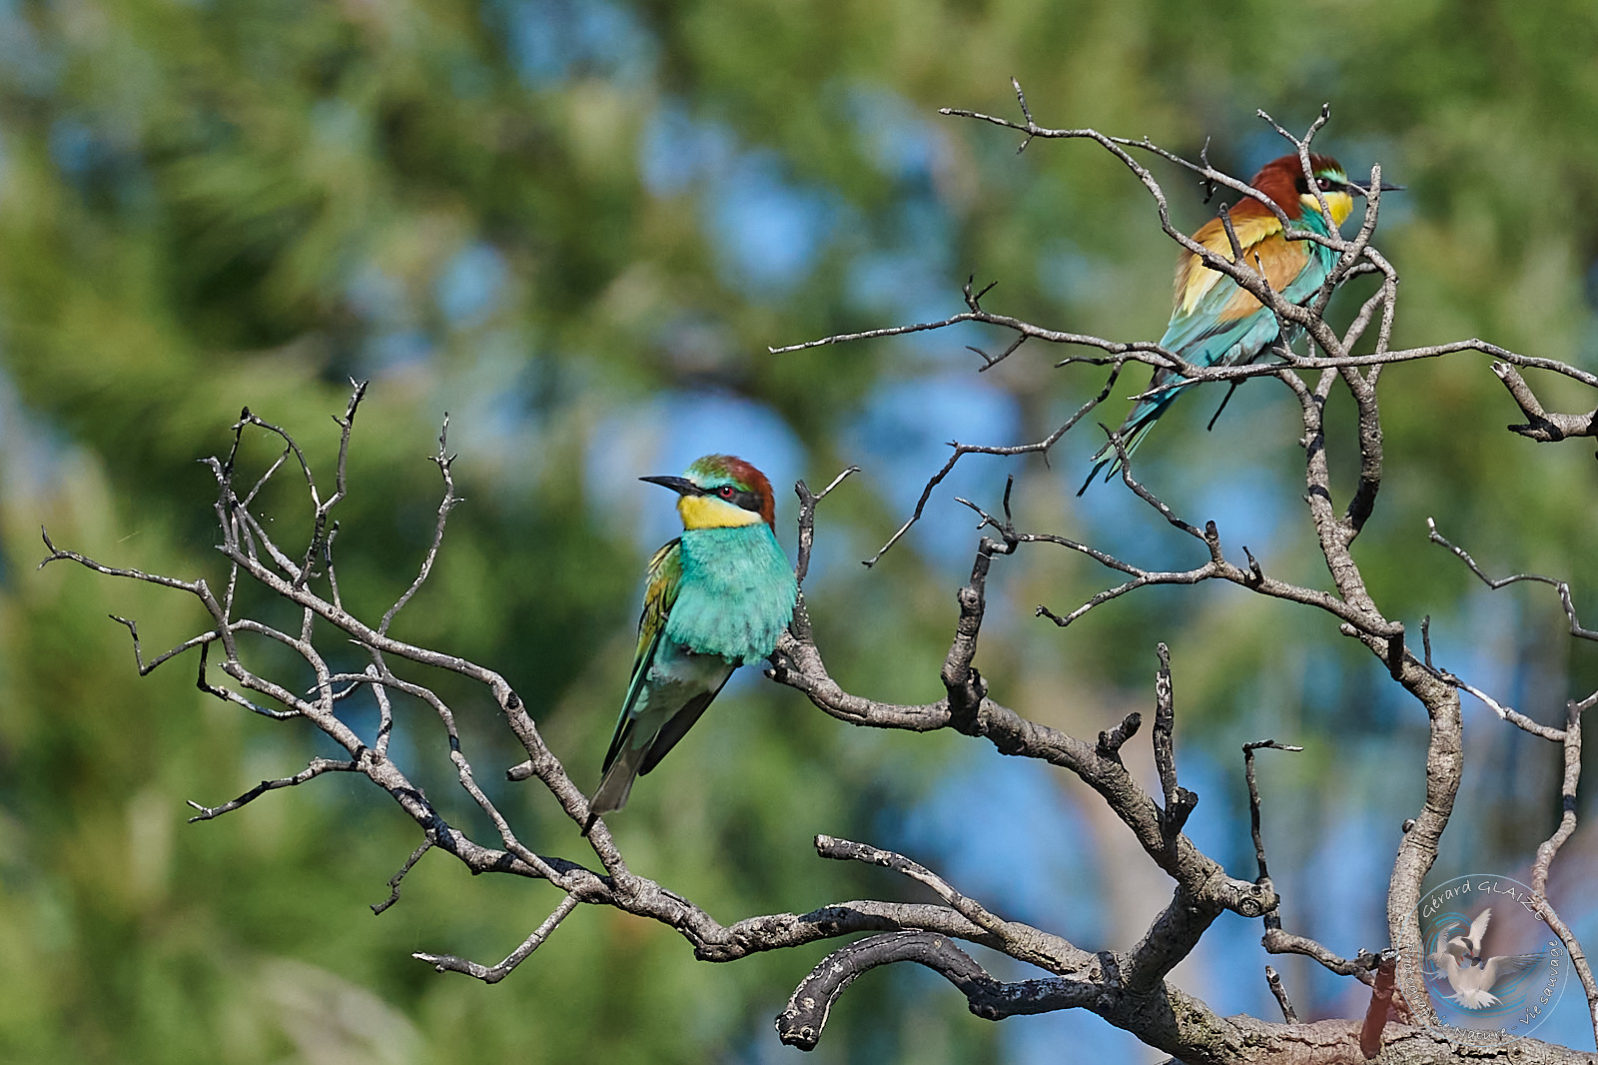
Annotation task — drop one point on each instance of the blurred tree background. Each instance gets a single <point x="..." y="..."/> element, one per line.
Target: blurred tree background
<point x="576" y="225"/>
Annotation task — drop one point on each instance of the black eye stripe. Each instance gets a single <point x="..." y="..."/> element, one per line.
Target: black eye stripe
<point x="1327" y="184"/>
<point x="741" y="499"/>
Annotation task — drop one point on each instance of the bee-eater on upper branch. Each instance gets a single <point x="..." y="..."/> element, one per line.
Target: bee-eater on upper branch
<point x="718" y="597"/>
<point x="1215" y="322"/>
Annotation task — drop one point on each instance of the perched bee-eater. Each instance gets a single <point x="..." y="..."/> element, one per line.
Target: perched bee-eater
<point x="1217" y="323"/>
<point x="718" y="597"/>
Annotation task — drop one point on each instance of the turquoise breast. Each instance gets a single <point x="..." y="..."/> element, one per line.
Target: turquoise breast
<point x="736" y="596"/>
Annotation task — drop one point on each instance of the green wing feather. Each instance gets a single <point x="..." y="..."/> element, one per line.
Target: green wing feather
<point x="665" y="579"/>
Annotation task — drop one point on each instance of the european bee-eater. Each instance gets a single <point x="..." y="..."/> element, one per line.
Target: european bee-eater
<point x="718" y="597"/>
<point x="1217" y="323"/>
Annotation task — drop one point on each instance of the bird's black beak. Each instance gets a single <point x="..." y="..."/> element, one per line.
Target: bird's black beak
<point x="681" y="485"/>
<point x="1360" y="190"/>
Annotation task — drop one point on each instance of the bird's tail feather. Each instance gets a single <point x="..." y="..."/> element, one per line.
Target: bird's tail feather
<point x="1132" y="431"/>
<point x="616" y="784"/>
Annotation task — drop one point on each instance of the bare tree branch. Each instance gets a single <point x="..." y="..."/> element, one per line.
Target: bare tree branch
<point x="399" y="877"/>
<point x="1370" y="1033"/>
<point x="1540" y="425"/>
<point x="1562" y="587"/>
<point x="443" y="460"/>
<point x="1017" y="940"/>
<point x="493" y="974"/>
<point x="1274" y="981"/>
<point x="1273" y="919"/>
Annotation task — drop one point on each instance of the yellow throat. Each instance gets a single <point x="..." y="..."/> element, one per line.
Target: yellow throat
<point x="1341" y="204"/>
<point x="708" y="512"/>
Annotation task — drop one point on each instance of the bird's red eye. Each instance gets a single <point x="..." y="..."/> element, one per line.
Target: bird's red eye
<point x="725" y="491"/>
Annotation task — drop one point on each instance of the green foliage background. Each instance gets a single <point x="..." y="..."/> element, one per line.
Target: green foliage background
<point x="561" y="221"/>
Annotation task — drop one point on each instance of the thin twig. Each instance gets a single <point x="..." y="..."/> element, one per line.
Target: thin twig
<point x="1273" y="919"/>
<point x="1562" y="587"/>
<point x="493" y="974"/>
<point x="1274" y="981"/>
<point x="317" y="767"/>
<point x="395" y="880"/>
